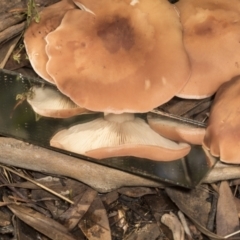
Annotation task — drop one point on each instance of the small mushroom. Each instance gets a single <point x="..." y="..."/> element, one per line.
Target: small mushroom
<point x="211" y="33"/>
<point x="180" y="130"/>
<point x="118" y="135"/>
<point x="50" y="18"/>
<point x="222" y="137"/>
<point x="128" y="56"/>
<point x="49" y="102"/>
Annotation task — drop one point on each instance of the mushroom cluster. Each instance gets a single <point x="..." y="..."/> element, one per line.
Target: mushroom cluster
<point x="123" y="57"/>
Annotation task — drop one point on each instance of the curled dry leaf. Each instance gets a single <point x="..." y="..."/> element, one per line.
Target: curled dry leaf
<point x="172" y="221"/>
<point x="185" y="225"/>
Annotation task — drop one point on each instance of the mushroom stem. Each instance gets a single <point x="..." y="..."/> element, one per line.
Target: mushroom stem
<point x="119" y="118"/>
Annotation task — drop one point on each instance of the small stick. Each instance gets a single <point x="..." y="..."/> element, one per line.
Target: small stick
<point x="185" y="225"/>
<point x="37" y="183"/>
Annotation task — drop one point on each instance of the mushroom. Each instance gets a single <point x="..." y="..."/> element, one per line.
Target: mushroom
<point x="118" y="135"/>
<point x="211" y="34"/>
<point x="222" y="137"/>
<point x="176" y="129"/>
<point x="123" y="58"/>
<point x="50" y="18"/>
<point x="49" y="102"/>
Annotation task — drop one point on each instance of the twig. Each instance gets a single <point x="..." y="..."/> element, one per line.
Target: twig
<point x="38" y="184"/>
<point x="185" y="225"/>
<point x="11" y="32"/>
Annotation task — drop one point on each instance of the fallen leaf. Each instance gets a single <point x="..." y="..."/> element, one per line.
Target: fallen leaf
<point x="149" y="231"/>
<point x="194" y="205"/>
<point x="95" y="223"/>
<point x="172" y="221"/>
<point x="192" y="202"/>
<point x="227" y="220"/>
<point x="82" y="203"/>
<point x="38" y="221"/>
<point x="136" y="191"/>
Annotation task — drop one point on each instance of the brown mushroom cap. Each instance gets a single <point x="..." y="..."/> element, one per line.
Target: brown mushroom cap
<point x="211" y="34"/>
<point x="50" y="18"/>
<point x="118" y="135"/>
<point x="223" y="131"/>
<point x="176" y="130"/>
<point x="125" y="58"/>
<point x="49" y="102"/>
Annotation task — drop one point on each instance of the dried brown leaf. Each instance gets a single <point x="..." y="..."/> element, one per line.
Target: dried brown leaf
<point x="38" y="221"/>
<point x="110" y="197"/>
<point x="136" y="191"/>
<point x="66" y="187"/>
<point x="6" y="50"/>
<point x="82" y="203"/>
<point x="172" y="221"/>
<point x="95" y="223"/>
<point x="227" y="216"/>
<point x="11" y="32"/>
<point x="160" y="204"/>
<point x="192" y="202"/>
<point x="149" y="231"/>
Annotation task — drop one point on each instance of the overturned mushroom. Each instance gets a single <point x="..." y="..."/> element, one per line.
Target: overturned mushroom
<point x="49" y="102"/>
<point x="222" y="137"/>
<point x="34" y="41"/>
<point x="136" y="47"/>
<point x="118" y="135"/>
<point x="211" y="33"/>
